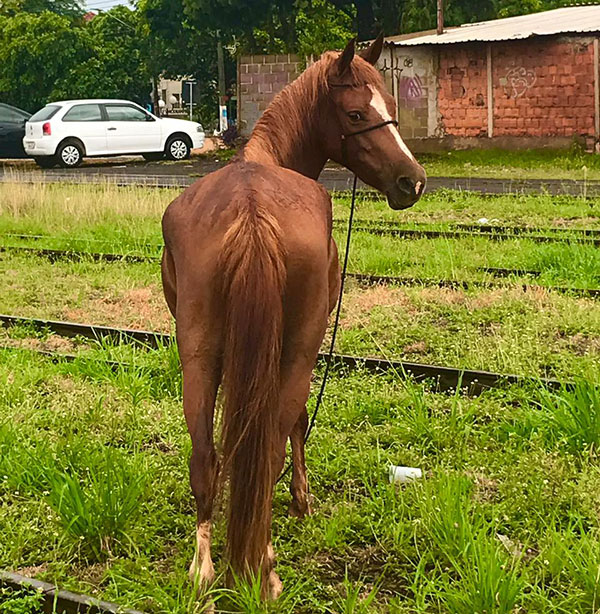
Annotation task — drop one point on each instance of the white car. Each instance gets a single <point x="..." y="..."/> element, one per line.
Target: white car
<point x="66" y="132"/>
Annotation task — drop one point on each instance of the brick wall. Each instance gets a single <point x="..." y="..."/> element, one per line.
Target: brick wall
<point x="541" y="88"/>
<point x="462" y="99"/>
<point x="260" y="78"/>
<point x="544" y="88"/>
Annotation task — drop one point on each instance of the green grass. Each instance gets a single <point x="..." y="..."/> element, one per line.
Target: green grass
<point x="520" y="164"/>
<point x="505" y="517"/>
<point x="499" y="329"/>
<point x="94" y="490"/>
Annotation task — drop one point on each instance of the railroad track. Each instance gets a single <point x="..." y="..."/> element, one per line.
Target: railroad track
<point x="419" y="231"/>
<point x="423" y="233"/>
<point x="362" y="278"/>
<point x="445" y="378"/>
<point x="480" y="227"/>
<point x="56" y="600"/>
<point x="333" y="179"/>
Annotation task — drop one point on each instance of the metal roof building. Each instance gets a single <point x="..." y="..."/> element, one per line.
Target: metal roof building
<point x="568" y="20"/>
<point x="526" y="81"/>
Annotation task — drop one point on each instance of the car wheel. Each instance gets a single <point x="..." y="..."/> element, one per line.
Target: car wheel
<point x="46" y="161"/>
<point x="178" y="148"/>
<point x="154" y="156"/>
<point x="69" y="154"/>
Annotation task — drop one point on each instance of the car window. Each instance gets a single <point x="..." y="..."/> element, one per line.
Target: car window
<point x="12" y="116"/>
<point x="83" y="113"/>
<point x="124" y="113"/>
<point x="44" y="114"/>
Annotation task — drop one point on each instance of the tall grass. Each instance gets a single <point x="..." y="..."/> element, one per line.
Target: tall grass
<point x="97" y="504"/>
<point x="574" y="416"/>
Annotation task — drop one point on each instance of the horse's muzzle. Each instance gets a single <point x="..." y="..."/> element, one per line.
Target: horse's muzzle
<point x="405" y="192"/>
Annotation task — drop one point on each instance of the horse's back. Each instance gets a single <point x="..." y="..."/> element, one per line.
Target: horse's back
<point x="196" y="223"/>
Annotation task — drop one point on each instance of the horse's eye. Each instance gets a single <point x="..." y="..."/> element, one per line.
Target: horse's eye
<point x="355" y="116"/>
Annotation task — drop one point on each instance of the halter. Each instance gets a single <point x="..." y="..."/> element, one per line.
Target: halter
<point x="367" y="129"/>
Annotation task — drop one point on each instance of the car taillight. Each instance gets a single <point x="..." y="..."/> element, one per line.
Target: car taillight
<point x="46" y="129"/>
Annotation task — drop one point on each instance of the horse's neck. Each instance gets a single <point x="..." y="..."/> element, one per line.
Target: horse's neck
<point x="286" y="136"/>
<point x="306" y="160"/>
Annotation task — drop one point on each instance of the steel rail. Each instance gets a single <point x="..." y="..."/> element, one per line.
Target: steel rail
<point x="477" y="228"/>
<point x="334" y="180"/>
<point x="422" y="233"/>
<point x="56" y="600"/>
<point x="422" y="230"/>
<point x="363" y="278"/>
<point x="446" y="378"/>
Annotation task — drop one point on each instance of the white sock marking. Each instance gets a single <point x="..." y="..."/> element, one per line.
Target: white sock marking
<point x="202" y="562"/>
<point x="378" y="103"/>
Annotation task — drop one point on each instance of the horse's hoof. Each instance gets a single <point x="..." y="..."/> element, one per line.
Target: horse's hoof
<point x="202" y="576"/>
<point x="275" y="585"/>
<point x="299" y="509"/>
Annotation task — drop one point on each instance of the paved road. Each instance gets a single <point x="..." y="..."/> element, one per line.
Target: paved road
<point x="131" y="171"/>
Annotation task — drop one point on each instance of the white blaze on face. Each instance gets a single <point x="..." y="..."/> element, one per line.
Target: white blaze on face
<point x="378" y="103"/>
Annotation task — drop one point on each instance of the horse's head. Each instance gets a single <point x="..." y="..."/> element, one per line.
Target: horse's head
<point x="361" y="128"/>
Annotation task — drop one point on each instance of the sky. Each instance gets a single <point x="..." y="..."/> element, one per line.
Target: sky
<point x="102" y="4"/>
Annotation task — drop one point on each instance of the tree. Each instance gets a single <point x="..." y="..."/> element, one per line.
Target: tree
<point x="36" y="51"/>
<point x="66" y="8"/>
<point x="421" y="14"/>
<point x="177" y="48"/>
<point x="321" y="27"/>
<point x="115" y="65"/>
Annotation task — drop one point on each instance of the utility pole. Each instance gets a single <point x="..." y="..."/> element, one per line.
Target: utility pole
<point x="221" y="69"/>
<point x="440" y="17"/>
<point x="155" y="105"/>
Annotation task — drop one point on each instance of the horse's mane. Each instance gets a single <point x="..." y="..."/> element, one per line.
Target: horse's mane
<point x="289" y="114"/>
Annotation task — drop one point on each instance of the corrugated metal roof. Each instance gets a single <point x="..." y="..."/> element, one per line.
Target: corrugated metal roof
<point x="573" y="19"/>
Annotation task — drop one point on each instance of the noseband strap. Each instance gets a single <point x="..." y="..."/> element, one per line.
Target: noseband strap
<point x="369" y="128"/>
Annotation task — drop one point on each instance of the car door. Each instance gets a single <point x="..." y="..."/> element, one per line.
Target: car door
<point x="12" y="131"/>
<point x="130" y="129"/>
<point x="87" y="122"/>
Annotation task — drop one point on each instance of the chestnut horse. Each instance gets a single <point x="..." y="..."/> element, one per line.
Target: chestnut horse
<point x="250" y="272"/>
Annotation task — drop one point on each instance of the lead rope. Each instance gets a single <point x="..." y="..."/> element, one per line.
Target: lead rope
<point x="329" y="358"/>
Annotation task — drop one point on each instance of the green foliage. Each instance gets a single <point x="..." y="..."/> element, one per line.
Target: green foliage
<point x="115" y="65"/>
<point x="45" y="57"/>
<point x="421" y="14"/>
<point x="574" y="415"/>
<point x="321" y="27"/>
<point x="99" y="501"/>
<point x="67" y="8"/>
<point x="36" y="51"/>
<point x="24" y="601"/>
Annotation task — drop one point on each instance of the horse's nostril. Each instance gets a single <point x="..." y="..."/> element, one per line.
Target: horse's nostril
<point x="406" y="185"/>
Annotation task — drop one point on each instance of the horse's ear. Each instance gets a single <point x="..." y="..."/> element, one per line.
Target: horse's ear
<point x="373" y="51"/>
<point x="346" y="57"/>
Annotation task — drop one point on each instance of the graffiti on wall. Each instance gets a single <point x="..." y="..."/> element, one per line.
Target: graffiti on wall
<point x="410" y="88"/>
<point x="517" y="81"/>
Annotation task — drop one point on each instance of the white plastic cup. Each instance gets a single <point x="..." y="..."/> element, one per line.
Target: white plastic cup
<point x="400" y="475"/>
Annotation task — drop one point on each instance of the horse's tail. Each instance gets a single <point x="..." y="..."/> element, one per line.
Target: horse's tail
<point x="253" y="265"/>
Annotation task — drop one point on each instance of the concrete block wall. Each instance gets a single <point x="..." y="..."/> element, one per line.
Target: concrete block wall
<point x="410" y="76"/>
<point x="260" y="78"/>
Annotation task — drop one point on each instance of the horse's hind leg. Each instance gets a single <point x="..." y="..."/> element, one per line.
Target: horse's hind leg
<point x="300" y="505"/>
<point x="200" y="359"/>
<point x="167" y="270"/>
